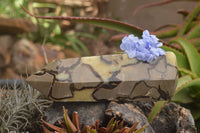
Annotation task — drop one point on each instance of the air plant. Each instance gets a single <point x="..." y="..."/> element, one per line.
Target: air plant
<point x="20" y="108"/>
<point x="68" y="126"/>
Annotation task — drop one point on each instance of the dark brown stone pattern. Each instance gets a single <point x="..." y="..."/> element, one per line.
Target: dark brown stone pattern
<point x="106" y="77"/>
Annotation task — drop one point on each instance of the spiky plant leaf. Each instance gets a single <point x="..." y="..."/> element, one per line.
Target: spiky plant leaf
<point x="113" y="126"/>
<point x="102" y="22"/>
<point x="191" y="53"/>
<point x="194" y="32"/>
<point x="46" y="130"/>
<point x="182" y="80"/>
<point x="187" y="72"/>
<point x="171" y="32"/>
<point x="155" y="110"/>
<point x="133" y="128"/>
<point x="76" y="120"/>
<point x="110" y="128"/>
<point x="70" y="126"/>
<point x="195" y="42"/>
<point x="189" y="19"/>
<point x="190" y="88"/>
<point x="183" y="96"/>
<point x="112" y="120"/>
<point x="58" y="129"/>
<point x="141" y="129"/>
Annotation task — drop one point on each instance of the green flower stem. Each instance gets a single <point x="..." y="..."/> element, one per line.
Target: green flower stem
<point x="189" y="19"/>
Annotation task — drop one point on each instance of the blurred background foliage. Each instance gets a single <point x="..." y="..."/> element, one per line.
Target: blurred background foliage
<point x="182" y="39"/>
<point x="63" y="33"/>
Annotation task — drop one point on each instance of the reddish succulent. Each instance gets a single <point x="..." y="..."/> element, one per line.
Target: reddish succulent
<point x="68" y="126"/>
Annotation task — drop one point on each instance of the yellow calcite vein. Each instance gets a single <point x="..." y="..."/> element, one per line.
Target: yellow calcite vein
<point x="106" y="70"/>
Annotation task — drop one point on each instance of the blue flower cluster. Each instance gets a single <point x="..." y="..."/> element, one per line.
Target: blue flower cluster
<point x="145" y="49"/>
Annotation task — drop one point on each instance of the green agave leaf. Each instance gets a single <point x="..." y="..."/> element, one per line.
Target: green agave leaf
<point x="182" y="96"/>
<point x="189" y="19"/>
<point x="141" y="129"/>
<point x="156" y="110"/>
<point x="181" y="58"/>
<point x="196" y="43"/>
<point x="195" y="92"/>
<point x="191" y="53"/>
<point x="182" y="81"/>
<point x="187" y="72"/>
<point x="183" y="92"/>
<point x="194" y="33"/>
<point x="184" y="13"/>
<point x="167" y="33"/>
<point x="102" y="22"/>
<point x="172" y="32"/>
<point x="162" y="2"/>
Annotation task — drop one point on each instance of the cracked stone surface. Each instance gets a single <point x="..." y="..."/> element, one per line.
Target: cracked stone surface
<point x="88" y="112"/>
<point x="107" y="78"/>
<point x="174" y="119"/>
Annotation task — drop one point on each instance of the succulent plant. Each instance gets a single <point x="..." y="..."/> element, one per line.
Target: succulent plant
<point x="20" y="108"/>
<point x="68" y="126"/>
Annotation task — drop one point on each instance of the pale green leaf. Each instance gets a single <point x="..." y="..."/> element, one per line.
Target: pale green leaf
<point x="180" y="57"/>
<point x="194" y="32"/>
<point x="189" y="19"/>
<point x="172" y="32"/>
<point x="156" y="110"/>
<point x="191" y="53"/>
<point x="187" y="72"/>
<point x="183" y="80"/>
<point x="182" y="96"/>
<point x="183" y="93"/>
<point x="141" y="129"/>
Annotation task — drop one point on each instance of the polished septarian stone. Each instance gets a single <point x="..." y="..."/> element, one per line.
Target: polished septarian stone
<point x="107" y="77"/>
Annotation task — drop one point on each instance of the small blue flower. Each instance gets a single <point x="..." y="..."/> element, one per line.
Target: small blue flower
<point x="145" y="49"/>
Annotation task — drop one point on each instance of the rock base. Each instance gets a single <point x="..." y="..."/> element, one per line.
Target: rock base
<point x="172" y="118"/>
